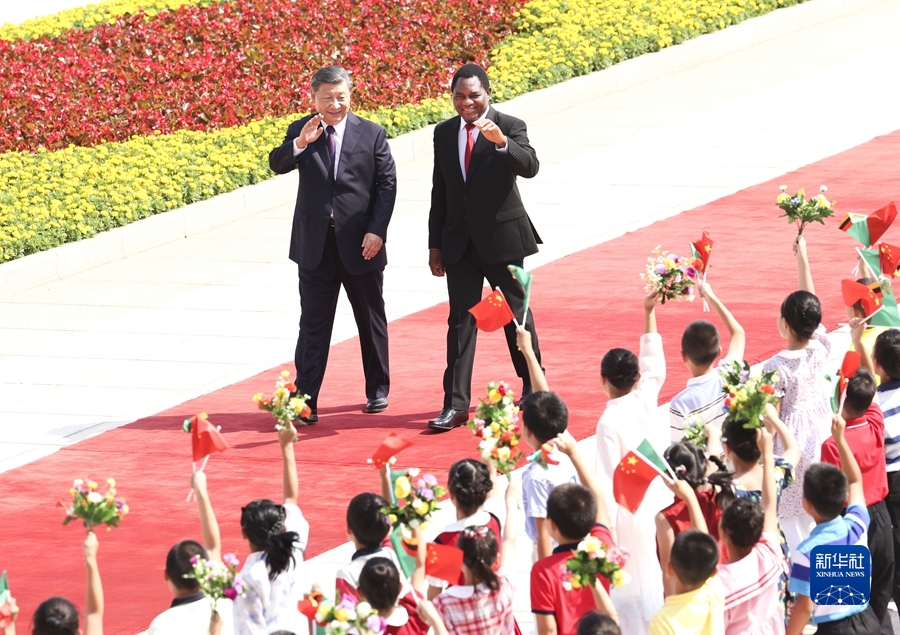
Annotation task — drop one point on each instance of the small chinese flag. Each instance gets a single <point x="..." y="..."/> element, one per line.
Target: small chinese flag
<point x="443" y="562"/>
<point x="889" y="256"/>
<point x="848" y="368"/>
<point x="854" y="292"/>
<point x="702" y="249"/>
<point x="388" y="448"/>
<point x="879" y="221"/>
<point x="309" y="605"/>
<point x="205" y="437"/>
<point x="5" y="608"/>
<point x="492" y="313"/>
<point x="633" y="475"/>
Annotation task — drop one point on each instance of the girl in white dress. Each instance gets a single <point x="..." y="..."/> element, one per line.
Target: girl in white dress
<point x="803" y="391"/>
<point x="632" y="415"/>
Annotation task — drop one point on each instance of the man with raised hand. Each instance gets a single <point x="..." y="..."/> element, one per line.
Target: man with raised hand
<point x="477" y="226"/>
<point x="346" y="194"/>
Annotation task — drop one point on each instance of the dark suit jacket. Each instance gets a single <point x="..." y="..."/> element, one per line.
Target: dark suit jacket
<point x="362" y="193"/>
<point x="486" y="207"/>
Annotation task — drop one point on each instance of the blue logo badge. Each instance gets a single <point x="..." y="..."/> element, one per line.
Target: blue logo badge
<point x="840" y="575"/>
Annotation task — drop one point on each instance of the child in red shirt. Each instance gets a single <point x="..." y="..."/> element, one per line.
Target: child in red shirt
<point x="573" y="513"/>
<point x="865" y="436"/>
<point x="382" y="586"/>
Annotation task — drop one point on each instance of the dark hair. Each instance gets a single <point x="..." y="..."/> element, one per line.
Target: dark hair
<point x="740" y="440"/>
<point x="803" y="313"/>
<point x="178" y="563"/>
<point x="470" y="483"/>
<point x="620" y="367"/>
<point x="694" y="557"/>
<point x="573" y="509"/>
<point x="860" y="392"/>
<point x="689" y="464"/>
<point x="743" y="522"/>
<point x="825" y="487"/>
<point x="467" y="71"/>
<point x="366" y="520"/>
<point x="858" y="305"/>
<point x="545" y="414"/>
<point x="56" y="616"/>
<point x="596" y="623"/>
<point x="887" y="353"/>
<point x="379" y="583"/>
<point x="263" y="522"/>
<point x="333" y="74"/>
<point x="479" y="547"/>
<point x="282" y="633"/>
<point x="700" y="342"/>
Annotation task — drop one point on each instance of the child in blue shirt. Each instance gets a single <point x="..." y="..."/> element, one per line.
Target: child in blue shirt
<point x="826" y="489"/>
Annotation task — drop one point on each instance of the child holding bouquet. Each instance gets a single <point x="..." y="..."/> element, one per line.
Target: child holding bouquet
<point x="804" y="405"/>
<point x="633" y="384"/>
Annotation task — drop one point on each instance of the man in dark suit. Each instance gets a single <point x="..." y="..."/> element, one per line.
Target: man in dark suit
<point x="344" y="204"/>
<point x="477" y="226"/>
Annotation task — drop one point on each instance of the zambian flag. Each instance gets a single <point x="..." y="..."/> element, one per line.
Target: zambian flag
<point x="890" y="315"/>
<point x="524" y="279"/>
<point x="857" y="225"/>
<point x="635" y="472"/>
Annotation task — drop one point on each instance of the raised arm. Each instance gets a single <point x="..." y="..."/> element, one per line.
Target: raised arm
<point x="538" y="380"/>
<point x="603" y="602"/>
<point x="291" y="486"/>
<point x="775" y="425"/>
<point x="804" y="275"/>
<point x="417" y="579"/>
<point x="566" y="444"/>
<point x="769" y="495"/>
<point x="93" y="609"/>
<point x="508" y="547"/>
<point x="384" y="477"/>
<point x="209" y="526"/>
<point x="519" y="154"/>
<point x="857" y="328"/>
<point x="650" y="303"/>
<point x="737" y="337"/>
<point x="13" y="614"/>
<point x="855" y="495"/>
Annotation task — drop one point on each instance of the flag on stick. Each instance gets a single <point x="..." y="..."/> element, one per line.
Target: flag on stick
<point x="848" y="368"/>
<point x="389" y="448"/>
<point x="856" y="225"/>
<point x="5" y="608"/>
<point x="205" y="437"/>
<point x="889" y="259"/>
<point x="879" y="221"/>
<point x="701" y="251"/>
<point x="524" y="279"/>
<point x="493" y="312"/>
<point x="443" y="562"/>
<point x="635" y="472"/>
<point x="890" y="314"/>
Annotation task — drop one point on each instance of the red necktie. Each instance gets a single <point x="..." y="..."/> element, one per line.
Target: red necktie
<point x="470" y="143"/>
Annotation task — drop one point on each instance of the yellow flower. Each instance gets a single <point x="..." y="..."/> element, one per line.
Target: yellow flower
<point x="421" y="507"/>
<point x="392" y="518"/>
<point x="341" y="615"/>
<point x="111" y="482"/>
<point x="494" y="396"/>
<point x="576" y="583"/>
<point x="781" y="198"/>
<point x="402" y="487"/>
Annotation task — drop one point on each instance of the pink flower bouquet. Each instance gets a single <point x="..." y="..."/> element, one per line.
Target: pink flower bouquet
<point x="672" y="277"/>
<point x="218" y="580"/>
<point x="93" y="507"/>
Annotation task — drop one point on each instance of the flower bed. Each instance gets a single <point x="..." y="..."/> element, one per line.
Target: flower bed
<point x="203" y="68"/>
<point x="89" y="16"/>
<point x="49" y="198"/>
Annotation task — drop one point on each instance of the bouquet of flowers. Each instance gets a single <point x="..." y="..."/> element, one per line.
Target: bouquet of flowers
<point x="797" y="209"/>
<point x="414" y="504"/>
<point x="349" y="617"/>
<point x="93" y="507"/>
<point x="217" y="580"/>
<point x="283" y="407"/>
<point x="672" y="277"/>
<point x="746" y="396"/>
<point x="694" y="432"/>
<point x="496" y="423"/>
<point x="593" y="558"/>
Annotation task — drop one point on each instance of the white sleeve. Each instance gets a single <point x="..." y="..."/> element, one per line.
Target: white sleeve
<point x="295" y="521"/>
<point x="652" y="364"/>
<point x="609" y="453"/>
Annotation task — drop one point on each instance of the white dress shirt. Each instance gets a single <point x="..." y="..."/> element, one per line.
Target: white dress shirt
<point x="463" y="133"/>
<point x="338" y="140"/>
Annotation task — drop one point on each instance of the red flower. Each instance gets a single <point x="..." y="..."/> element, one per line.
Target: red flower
<point x="766" y="388"/>
<point x="291" y="387"/>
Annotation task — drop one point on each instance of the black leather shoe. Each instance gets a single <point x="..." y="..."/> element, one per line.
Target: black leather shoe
<point x="311" y="419"/>
<point x="448" y="419"/>
<point x="377" y="405"/>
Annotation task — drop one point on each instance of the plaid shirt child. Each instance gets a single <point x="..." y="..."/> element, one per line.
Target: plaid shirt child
<point x="476" y="610"/>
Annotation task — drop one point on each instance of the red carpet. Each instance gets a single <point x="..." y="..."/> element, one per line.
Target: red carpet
<point x="585" y="304"/>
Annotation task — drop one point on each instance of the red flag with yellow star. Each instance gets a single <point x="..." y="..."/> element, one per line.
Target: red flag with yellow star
<point x="205" y="437"/>
<point x="492" y="313"/>
<point x="880" y="220"/>
<point x="889" y="256"/>
<point x="701" y="251"/>
<point x="633" y="475"/>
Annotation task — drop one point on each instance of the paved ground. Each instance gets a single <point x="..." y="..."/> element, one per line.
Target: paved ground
<point x="101" y="348"/>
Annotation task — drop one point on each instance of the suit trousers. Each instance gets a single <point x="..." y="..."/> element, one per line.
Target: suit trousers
<point x="465" y="281"/>
<point x="319" y="291"/>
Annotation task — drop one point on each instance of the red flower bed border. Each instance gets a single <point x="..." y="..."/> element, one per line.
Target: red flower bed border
<point x="201" y="68"/>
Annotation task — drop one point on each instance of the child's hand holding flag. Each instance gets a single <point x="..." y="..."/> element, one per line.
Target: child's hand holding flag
<point x="8" y="608"/>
